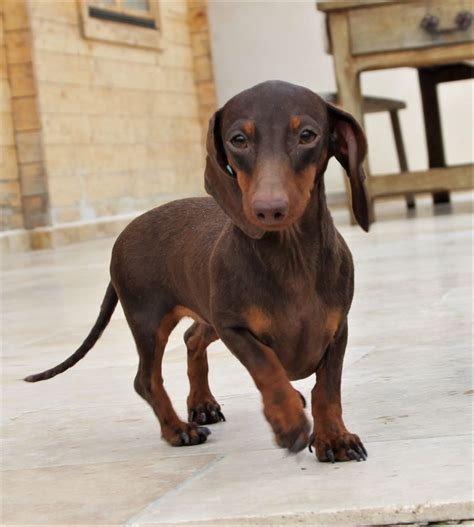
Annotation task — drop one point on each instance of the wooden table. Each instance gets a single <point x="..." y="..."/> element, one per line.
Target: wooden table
<point x="373" y="35"/>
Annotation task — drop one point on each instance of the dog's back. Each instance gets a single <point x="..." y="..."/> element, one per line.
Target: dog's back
<point x="167" y="250"/>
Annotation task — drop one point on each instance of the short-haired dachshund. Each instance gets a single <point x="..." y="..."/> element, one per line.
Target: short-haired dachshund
<point x="259" y="265"/>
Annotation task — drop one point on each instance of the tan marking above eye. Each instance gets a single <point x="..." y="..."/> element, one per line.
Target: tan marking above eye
<point x="249" y="127"/>
<point x="295" y="123"/>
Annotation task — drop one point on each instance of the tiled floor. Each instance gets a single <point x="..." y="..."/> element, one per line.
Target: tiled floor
<point x="84" y="449"/>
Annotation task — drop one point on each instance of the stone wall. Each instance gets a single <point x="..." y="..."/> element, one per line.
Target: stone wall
<point x="119" y="127"/>
<point x="202" y="55"/>
<point x="120" y="124"/>
<point x="25" y="115"/>
<point x="10" y="193"/>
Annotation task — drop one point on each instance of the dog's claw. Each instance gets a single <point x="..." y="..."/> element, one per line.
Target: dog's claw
<point x="330" y="455"/>
<point x="205" y="413"/>
<point x="188" y="435"/>
<point x="299" y="444"/>
<point x="343" y="447"/>
<point x="203" y="432"/>
<point x="361" y="451"/>
<point x="353" y="455"/>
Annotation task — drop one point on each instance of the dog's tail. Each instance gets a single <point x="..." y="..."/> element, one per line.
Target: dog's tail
<point x="106" y="309"/>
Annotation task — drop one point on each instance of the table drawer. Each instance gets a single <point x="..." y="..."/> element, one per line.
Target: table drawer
<point x="394" y="26"/>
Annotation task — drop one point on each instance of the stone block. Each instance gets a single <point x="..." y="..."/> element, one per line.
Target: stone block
<point x="15" y="15"/>
<point x="25" y="114"/>
<point x="64" y="191"/>
<point x="32" y="179"/>
<point x="66" y="129"/>
<point x="8" y="162"/>
<point x="21" y="79"/>
<point x="29" y="146"/>
<point x="203" y="69"/>
<point x="6" y="130"/>
<point x="36" y="211"/>
<point x="18" y="46"/>
<point x="207" y="93"/>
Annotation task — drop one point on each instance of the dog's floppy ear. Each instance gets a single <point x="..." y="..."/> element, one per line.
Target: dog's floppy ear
<point x="221" y="184"/>
<point x="348" y="144"/>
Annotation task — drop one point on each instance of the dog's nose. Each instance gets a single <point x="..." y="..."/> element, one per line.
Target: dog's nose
<point x="270" y="211"/>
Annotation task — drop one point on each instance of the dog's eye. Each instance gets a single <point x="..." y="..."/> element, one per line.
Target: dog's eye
<point x="239" y="141"/>
<point x="307" y="137"/>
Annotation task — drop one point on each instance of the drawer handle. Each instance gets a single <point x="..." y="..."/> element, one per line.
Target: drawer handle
<point x="462" y="22"/>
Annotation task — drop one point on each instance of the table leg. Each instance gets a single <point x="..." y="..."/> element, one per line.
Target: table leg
<point x="348" y="87"/>
<point x="402" y="158"/>
<point x="433" y="133"/>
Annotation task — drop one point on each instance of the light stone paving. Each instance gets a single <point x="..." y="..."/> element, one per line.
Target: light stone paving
<point x="84" y="449"/>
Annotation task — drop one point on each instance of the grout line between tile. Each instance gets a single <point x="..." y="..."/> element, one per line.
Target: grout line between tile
<point x="135" y="520"/>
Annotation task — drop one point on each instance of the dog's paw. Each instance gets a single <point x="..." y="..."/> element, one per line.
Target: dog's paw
<point x="294" y="437"/>
<point x="187" y="434"/>
<point x="338" y="447"/>
<point x="205" y="412"/>
<point x="289" y="423"/>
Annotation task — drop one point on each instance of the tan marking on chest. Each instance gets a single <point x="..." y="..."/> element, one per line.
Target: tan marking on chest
<point x="333" y="321"/>
<point x="257" y="320"/>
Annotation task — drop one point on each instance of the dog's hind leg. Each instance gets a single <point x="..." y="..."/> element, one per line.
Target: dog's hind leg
<point x="151" y="340"/>
<point x="202" y="406"/>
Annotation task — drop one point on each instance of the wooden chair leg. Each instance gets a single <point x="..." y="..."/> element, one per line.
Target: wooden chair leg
<point x="434" y="137"/>
<point x="402" y="158"/>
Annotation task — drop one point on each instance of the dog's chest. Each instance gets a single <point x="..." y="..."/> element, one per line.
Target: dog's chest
<point x="301" y="344"/>
<point x="299" y="332"/>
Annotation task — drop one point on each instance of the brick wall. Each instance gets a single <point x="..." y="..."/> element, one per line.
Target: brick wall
<point x="10" y="193"/>
<point x="94" y="131"/>
<point x="120" y="124"/>
<point x="25" y="115"/>
<point x="202" y="56"/>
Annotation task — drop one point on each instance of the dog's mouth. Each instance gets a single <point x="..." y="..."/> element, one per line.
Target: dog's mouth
<point x="275" y="228"/>
<point x="276" y="225"/>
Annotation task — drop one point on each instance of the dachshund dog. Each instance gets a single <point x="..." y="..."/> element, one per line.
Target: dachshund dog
<point x="261" y="267"/>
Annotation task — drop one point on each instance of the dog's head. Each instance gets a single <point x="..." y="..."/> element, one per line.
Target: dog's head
<point x="266" y="148"/>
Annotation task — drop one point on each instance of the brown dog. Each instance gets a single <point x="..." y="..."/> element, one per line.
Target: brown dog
<point x="264" y="269"/>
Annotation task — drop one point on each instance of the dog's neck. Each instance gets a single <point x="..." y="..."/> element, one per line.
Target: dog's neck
<point x="296" y="249"/>
<point x="316" y="223"/>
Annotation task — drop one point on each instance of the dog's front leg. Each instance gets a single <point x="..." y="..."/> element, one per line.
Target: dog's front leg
<point x="330" y="438"/>
<point x="282" y="404"/>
